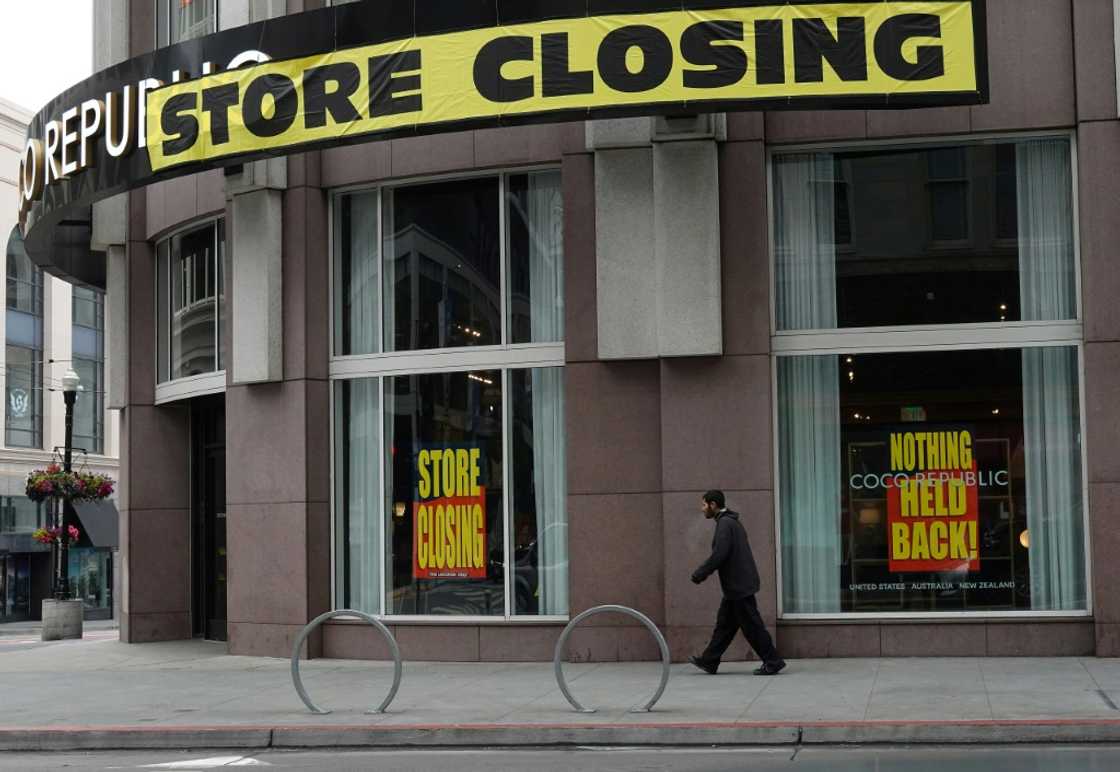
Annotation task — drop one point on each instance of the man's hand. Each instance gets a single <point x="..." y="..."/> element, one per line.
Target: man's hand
<point x="697" y="579"/>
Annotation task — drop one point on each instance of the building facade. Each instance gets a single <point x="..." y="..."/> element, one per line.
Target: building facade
<point x="476" y="383"/>
<point x="48" y="327"/>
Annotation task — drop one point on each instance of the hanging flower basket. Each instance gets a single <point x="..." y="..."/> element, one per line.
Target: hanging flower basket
<point x="50" y="535"/>
<point x="52" y="482"/>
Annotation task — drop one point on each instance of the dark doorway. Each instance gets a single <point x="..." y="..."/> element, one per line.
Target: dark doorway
<point x="208" y="516"/>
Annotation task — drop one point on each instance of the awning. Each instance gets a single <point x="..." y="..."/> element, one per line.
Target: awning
<point x="100" y="521"/>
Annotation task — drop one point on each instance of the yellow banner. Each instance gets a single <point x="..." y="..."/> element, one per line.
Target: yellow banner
<point x="833" y="54"/>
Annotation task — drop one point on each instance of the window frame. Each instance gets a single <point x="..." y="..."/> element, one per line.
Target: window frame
<point x="203" y="384"/>
<point x="926" y="338"/>
<point x="504" y="357"/>
<point x="165" y="34"/>
<point x="97" y="393"/>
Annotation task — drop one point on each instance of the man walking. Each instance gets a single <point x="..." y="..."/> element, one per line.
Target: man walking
<point x="738" y="576"/>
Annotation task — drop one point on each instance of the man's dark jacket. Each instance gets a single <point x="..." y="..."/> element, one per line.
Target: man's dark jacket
<point x="732" y="557"/>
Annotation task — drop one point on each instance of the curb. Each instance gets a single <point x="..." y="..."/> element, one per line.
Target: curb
<point x="987" y="732"/>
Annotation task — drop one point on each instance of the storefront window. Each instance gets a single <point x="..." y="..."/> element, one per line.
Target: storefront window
<point x="431" y="275"/>
<point x="932" y="481"/>
<point x="88" y="361"/>
<point x="978" y="232"/>
<point x="23" y="363"/>
<point x="190" y="298"/>
<point x="91" y="581"/>
<point x="450" y="485"/>
<point x="936" y="469"/>
<point x="180" y="20"/>
<point x="19" y="514"/>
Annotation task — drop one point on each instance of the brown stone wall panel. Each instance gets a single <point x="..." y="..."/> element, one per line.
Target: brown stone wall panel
<point x="369" y="162"/>
<point x="717" y="432"/>
<point x="939" y="639"/>
<point x="1042" y="639"/>
<point x="358" y="640"/>
<point x="267" y="565"/>
<point x="797" y="641"/>
<point x="141" y="321"/>
<point x="306" y="265"/>
<point x="250" y="639"/>
<point x="1098" y="153"/>
<point x="688" y="539"/>
<point x="211" y="191"/>
<point x="1030" y="61"/>
<point x="815" y="125"/>
<point x="137" y="215"/>
<point x="535" y="144"/>
<point x="267" y="416"/>
<point x="615" y="556"/>
<point x="141" y="28"/>
<point x="158" y="561"/>
<point x="153" y="628"/>
<point x="531" y="643"/>
<point x="318" y="547"/>
<point x="1095" y="50"/>
<point x="1108" y="639"/>
<point x="156" y="209"/>
<point x="925" y="122"/>
<point x="1102" y="411"/>
<point x="637" y="644"/>
<point x="746" y="126"/>
<point x="305" y="170"/>
<point x="589" y="643"/>
<point x="614" y="427"/>
<point x="157" y="473"/>
<point x="581" y="336"/>
<point x="179" y="198"/>
<point x="430" y="155"/>
<point x="745" y="248"/>
<point x="433" y="643"/>
<point x="686" y="641"/>
<point x="1104" y="538"/>
<point x="318" y="440"/>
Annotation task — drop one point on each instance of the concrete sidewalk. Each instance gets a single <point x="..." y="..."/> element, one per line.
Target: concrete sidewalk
<point x="100" y="694"/>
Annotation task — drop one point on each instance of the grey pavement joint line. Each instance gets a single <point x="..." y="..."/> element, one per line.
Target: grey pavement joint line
<point x="871" y="691"/>
<point x="987" y="693"/>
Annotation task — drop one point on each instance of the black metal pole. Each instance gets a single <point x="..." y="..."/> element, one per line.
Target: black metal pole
<point x="62" y="588"/>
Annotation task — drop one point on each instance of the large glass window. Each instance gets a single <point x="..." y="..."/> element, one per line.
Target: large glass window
<point x="933" y="470"/>
<point x="450" y="486"/>
<point x="19" y="514"/>
<point x="88" y="361"/>
<point x="191" y="298"/>
<point x="932" y="481"/>
<point x="974" y="230"/>
<point x="180" y="20"/>
<point x="431" y="274"/>
<point x="23" y="364"/>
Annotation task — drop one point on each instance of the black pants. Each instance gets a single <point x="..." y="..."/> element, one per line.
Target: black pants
<point x="740" y="614"/>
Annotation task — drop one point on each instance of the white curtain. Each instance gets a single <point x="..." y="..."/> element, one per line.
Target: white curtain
<point x="361" y="282"/>
<point x="1051" y="423"/>
<point x="361" y="462"/>
<point x="545" y="220"/>
<point x="805" y="226"/>
<point x="808" y="387"/>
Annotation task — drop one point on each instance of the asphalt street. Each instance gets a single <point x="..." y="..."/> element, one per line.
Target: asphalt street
<point x="886" y="759"/>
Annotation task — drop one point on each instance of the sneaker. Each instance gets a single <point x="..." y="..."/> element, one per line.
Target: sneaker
<point x="709" y="669"/>
<point x="771" y="668"/>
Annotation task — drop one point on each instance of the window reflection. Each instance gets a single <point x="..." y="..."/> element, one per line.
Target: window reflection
<point x="442" y="266"/>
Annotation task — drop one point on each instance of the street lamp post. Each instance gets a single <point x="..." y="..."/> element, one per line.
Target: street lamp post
<point x="71" y="385"/>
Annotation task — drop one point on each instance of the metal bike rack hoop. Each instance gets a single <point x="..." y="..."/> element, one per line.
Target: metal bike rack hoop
<point x="314" y="623"/>
<point x="560" y="644"/>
